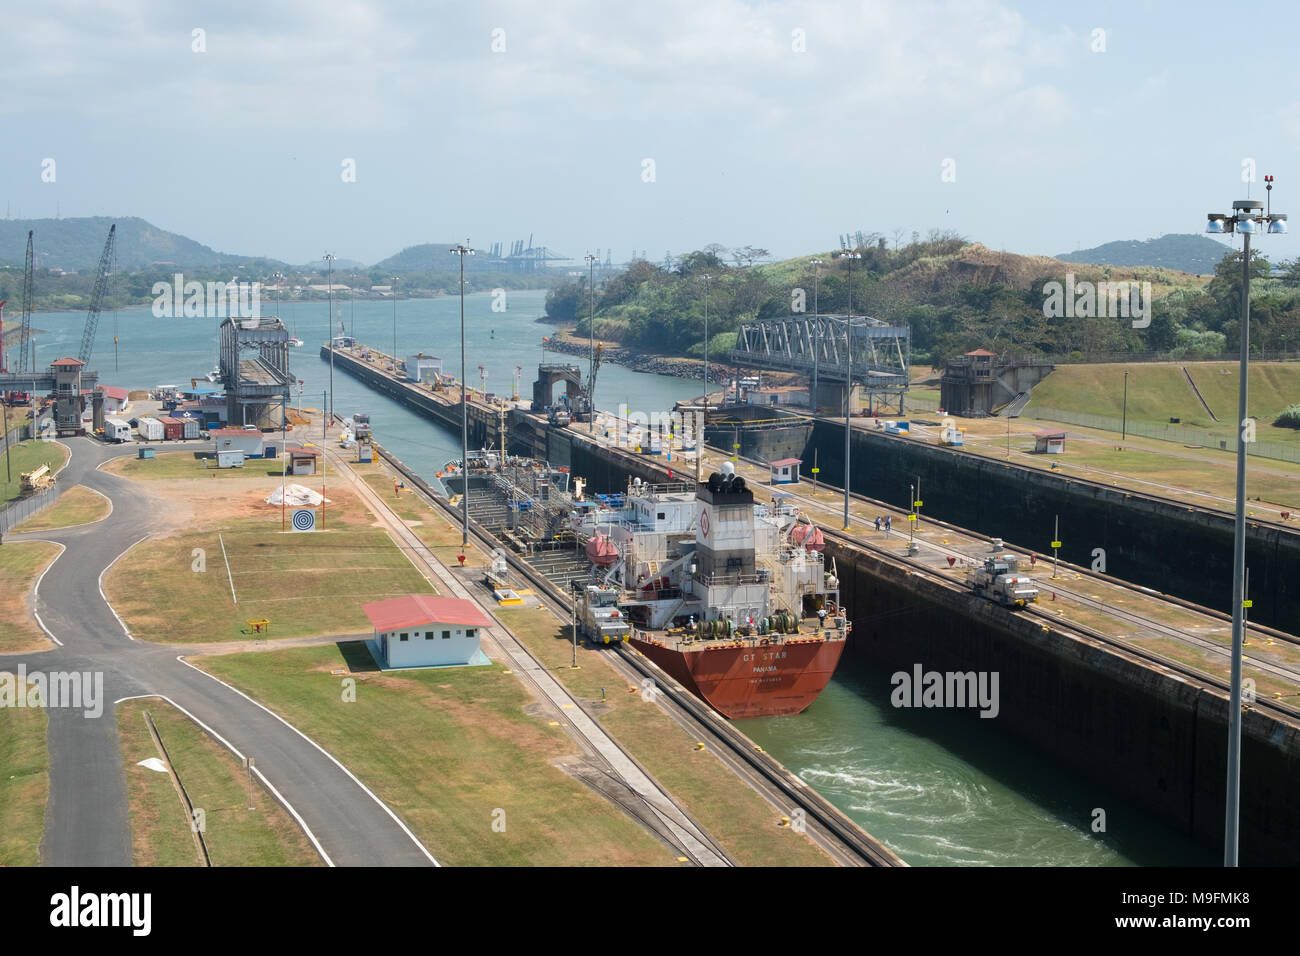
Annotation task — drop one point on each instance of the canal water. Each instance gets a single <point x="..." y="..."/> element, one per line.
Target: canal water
<point x="939" y="788"/>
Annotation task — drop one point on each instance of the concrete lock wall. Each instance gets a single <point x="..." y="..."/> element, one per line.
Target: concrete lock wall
<point x="1159" y="544"/>
<point x="1157" y="740"/>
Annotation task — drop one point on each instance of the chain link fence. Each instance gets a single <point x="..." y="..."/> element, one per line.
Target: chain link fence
<point x="19" y="511"/>
<point x="1174" y="433"/>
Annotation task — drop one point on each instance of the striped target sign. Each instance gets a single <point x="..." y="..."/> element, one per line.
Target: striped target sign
<point x="304" y="519"/>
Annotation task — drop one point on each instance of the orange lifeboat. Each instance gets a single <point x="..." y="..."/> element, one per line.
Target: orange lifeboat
<point x="600" y="550"/>
<point x="808" y="535"/>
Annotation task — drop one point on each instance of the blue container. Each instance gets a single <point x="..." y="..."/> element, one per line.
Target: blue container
<point x="146" y="452"/>
<point x="270" y="452"/>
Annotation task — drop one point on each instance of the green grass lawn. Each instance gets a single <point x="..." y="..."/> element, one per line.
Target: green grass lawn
<point x="160" y="827"/>
<point x="302" y="583"/>
<point x="742" y="821"/>
<point x="28" y="456"/>
<point x="189" y="464"/>
<point x="448" y="749"/>
<point x="1159" y="391"/>
<point x="24" y="784"/>
<point x="433" y="527"/>
<point x="77" y="505"/>
<point x="21" y="563"/>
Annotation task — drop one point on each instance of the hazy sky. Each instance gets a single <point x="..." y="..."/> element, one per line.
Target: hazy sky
<point x="776" y="124"/>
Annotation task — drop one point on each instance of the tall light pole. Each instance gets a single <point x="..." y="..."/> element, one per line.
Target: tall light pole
<point x="706" y="279"/>
<point x="848" y="384"/>
<point x="591" y="329"/>
<point x="817" y="329"/>
<point x="394" y="278"/>
<point x="463" y="251"/>
<point x="1246" y="218"/>
<point x="329" y="284"/>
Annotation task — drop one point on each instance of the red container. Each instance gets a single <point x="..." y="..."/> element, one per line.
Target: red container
<point x="173" y="429"/>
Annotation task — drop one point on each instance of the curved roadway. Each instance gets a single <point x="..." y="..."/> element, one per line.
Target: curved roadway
<point x="86" y="819"/>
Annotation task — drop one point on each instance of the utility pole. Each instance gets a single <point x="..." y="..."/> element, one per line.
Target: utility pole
<point x="329" y="280"/>
<point x="817" y="332"/>
<point x="463" y="251"/>
<point x="1056" y="544"/>
<point x="394" y="324"/>
<point x="1248" y="216"/>
<point x="591" y="329"/>
<point x="848" y="383"/>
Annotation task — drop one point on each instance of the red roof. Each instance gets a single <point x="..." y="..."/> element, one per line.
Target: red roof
<point x="981" y="352"/>
<point x="112" y="391"/>
<point x="1049" y="434"/>
<point x="303" y="452"/>
<point x="66" y="361"/>
<point x="414" y="610"/>
<point x="785" y="461"/>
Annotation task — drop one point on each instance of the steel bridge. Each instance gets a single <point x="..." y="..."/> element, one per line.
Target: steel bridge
<point x="881" y="353"/>
<point x="256" y="384"/>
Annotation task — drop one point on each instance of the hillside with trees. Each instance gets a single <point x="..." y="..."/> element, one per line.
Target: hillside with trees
<point x="954" y="294"/>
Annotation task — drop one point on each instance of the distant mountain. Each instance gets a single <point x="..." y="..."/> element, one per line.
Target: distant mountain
<point x="76" y="244"/>
<point x="1186" y="252"/>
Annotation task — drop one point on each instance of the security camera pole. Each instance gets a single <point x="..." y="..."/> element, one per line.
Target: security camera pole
<point x="1246" y="218"/>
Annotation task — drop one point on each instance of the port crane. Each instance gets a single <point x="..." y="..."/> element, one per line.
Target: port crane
<point x="97" y="296"/>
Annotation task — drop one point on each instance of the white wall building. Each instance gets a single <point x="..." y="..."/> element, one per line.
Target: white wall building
<point x="423" y="630"/>
<point x="247" y="440"/>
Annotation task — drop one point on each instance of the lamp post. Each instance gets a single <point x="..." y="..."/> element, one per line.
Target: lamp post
<point x="329" y="284"/>
<point x="817" y="330"/>
<point x="394" y="278"/>
<point x="848" y="380"/>
<point x="1248" y="215"/>
<point x="591" y="329"/>
<point x="706" y="279"/>
<point x="463" y="251"/>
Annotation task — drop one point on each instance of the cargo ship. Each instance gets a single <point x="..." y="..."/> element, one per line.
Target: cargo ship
<point x="729" y="597"/>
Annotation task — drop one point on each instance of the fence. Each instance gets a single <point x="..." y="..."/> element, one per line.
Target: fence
<point x="19" y="511"/>
<point x="1174" y="433"/>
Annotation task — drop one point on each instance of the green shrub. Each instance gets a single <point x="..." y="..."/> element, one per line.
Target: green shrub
<point x="1290" y="417"/>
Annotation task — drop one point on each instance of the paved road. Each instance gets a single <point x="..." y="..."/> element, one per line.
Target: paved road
<point x="86" y="820"/>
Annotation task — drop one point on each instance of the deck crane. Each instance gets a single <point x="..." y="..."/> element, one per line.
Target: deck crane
<point x="97" y="297"/>
<point x="25" y="335"/>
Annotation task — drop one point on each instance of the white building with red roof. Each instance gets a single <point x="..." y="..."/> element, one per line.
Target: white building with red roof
<point x="424" y="630"/>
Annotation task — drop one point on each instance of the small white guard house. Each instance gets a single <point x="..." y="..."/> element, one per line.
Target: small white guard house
<point x="422" y="630"/>
<point x="786" y="471"/>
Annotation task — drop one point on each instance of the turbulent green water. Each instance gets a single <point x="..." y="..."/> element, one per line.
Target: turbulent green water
<point x="943" y="788"/>
<point x="937" y="787"/>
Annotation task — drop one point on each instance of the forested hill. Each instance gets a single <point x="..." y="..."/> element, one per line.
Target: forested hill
<point x="955" y="295"/>
<point x="1183" y="252"/>
<point x="75" y="245"/>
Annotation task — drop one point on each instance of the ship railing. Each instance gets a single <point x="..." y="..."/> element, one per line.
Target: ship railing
<point x="661" y="488"/>
<point x="762" y="576"/>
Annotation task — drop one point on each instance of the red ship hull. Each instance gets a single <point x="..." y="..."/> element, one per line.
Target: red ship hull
<point x="772" y="680"/>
